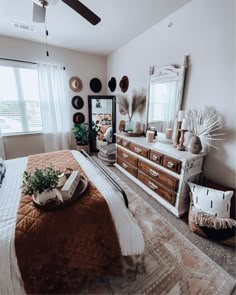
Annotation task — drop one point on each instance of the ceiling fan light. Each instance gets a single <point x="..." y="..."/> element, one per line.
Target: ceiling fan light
<point x="46" y="2"/>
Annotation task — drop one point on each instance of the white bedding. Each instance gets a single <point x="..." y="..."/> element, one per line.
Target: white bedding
<point x="129" y="233"/>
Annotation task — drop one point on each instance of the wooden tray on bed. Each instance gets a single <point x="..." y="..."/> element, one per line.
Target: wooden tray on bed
<point x="55" y="204"/>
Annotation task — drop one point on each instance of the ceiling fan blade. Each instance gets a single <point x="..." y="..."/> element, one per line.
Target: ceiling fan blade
<point x="83" y="10"/>
<point x="39" y="13"/>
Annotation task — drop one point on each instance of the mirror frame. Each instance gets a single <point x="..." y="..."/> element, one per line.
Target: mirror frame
<point x="111" y="97"/>
<point x="168" y="73"/>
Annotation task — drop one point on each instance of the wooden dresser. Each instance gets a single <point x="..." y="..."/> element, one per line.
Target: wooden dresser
<point x="160" y="169"/>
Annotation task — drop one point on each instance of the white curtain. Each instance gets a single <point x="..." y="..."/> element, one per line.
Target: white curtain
<point x="2" y="151"/>
<point x="55" y="108"/>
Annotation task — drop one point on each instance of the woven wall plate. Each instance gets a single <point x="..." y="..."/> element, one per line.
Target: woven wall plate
<point x="75" y="84"/>
<point x="95" y="85"/>
<point x="78" y="118"/>
<point x="77" y="102"/>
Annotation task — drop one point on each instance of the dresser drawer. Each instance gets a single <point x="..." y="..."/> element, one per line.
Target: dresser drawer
<point x="159" y="175"/>
<point x="118" y="140"/>
<point x="156" y="157"/>
<point x="128" y="157"/>
<point x="139" y="150"/>
<point x="125" y="143"/>
<point x="172" y="164"/>
<point x="156" y="187"/>
<point x="128" y="167"/>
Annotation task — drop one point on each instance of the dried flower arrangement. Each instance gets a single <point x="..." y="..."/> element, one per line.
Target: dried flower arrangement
<point x="205" y="123"/>
<point x="138" y="103"/>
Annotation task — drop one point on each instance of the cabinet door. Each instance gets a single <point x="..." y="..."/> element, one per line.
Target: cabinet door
<point x="159" y="175"/>
<point x="128" y="157"/>
<point x="128" y="167"/>
<point x="144" y="152"/>
<point x="156" y="187"/>
<point x="172" y="164"/>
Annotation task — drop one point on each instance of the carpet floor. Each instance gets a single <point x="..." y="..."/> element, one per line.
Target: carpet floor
<point x="171" y="264"/>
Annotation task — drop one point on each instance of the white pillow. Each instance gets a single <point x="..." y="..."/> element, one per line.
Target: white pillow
<point x="211" y="201"/>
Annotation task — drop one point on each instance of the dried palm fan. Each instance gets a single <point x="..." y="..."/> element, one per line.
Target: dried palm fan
<point x="205" y="123"/>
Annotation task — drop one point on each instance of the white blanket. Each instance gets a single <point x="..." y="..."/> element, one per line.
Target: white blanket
<point x="129" y="233"/>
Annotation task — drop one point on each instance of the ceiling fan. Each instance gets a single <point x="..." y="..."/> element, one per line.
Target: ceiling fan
<point x="39" y="10"/>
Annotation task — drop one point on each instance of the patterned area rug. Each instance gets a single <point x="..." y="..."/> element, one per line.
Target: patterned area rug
<point x="171" y="264"/>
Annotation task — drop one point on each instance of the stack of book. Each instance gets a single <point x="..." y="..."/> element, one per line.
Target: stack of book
<point x="107" y="154"/>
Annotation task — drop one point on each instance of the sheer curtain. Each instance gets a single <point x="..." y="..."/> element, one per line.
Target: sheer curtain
<point x="55" y="108"/>
<point x="2" y="151"/>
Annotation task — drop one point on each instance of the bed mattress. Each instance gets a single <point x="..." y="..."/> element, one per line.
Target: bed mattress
<point x="129" y="233"/>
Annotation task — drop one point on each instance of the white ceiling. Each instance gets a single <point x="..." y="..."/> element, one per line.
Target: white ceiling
<point x="121" y="21"/>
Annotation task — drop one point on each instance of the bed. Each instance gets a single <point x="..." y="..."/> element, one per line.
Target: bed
<point x="129" y="236"/>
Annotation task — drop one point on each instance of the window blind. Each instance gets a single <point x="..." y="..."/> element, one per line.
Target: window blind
<point x="19" y="98"/>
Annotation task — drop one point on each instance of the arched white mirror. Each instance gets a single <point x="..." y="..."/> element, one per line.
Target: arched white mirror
<point x="165" y="93"/>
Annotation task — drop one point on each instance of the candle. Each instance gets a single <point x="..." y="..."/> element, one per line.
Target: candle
<point x="184" y="125"/>
<point x="150" y="135"/>
<point x="180" y="116"/>
<point x="169" y="132"/>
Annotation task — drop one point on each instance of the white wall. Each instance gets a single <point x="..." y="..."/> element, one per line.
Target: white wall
<point x="83" y="65"/>
<point x="204" y="29"/>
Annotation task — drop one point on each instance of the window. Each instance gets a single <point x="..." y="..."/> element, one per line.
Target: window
<point x="19" y="99"/>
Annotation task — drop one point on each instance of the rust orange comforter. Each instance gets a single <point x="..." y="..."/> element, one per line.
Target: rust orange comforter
<point x="58" y="250"/>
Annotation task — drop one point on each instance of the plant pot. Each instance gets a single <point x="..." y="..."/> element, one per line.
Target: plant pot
<point x="45" y="195"/>
<point x="84" y="147"/>
<point x="195" y="145"/>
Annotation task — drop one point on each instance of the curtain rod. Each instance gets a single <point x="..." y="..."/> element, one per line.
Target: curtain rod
<point x="18" y="60"/>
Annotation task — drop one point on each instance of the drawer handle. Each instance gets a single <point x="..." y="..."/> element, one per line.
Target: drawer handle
<point x="153" y="173"/>
<point x="170" y="164"/>
<point x="125" y="156"/>
<point x="152" y="185"/>
<point x="154" y="157"/>
<point x="124" y="165"/>
<point x="137" y="150"/>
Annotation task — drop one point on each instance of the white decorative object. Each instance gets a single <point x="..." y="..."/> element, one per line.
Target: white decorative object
<point x="70" y="186"/>
<point x="184" y="125"/>
<point x="205" y="123"/>
<point x="180" y="116"/>
<point x="211" y="201"/>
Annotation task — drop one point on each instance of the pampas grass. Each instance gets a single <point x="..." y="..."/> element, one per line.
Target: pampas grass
<point x="205" y="123"/>
<point x="138" y="103"/>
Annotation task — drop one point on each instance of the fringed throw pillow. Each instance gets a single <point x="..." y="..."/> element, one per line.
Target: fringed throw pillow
<point x="214" y="202"/>
<point x="206" y="220"/>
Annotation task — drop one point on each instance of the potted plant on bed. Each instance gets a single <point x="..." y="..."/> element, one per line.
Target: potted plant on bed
<point x="81" y="133"/>
<point x="41" y="183"/>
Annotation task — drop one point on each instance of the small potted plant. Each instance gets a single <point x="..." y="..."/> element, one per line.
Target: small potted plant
<point x="41" y="183"/>
<point x="81" y="133"/>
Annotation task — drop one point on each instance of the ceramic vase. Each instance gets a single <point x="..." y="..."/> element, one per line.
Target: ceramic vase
<point x="195" y="145"/>
<point x="129" y="126"/>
